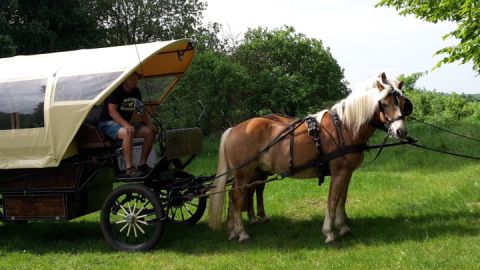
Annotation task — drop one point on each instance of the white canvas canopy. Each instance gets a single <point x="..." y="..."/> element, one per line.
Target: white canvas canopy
<point x="45" y="98"/>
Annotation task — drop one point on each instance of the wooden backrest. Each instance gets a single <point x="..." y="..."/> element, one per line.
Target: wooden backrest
<point x="183" y="142"/>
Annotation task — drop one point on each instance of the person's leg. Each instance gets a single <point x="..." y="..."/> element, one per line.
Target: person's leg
<point x="127" y="146"/>
<point x="117" y="132"/>
<point x="149" y="139"/>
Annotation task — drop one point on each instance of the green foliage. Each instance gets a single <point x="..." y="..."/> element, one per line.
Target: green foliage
<point x="466" y="13"/>
<point x="292" y="74"/>
<point x="137" y="21"/>
<point x="47" y="26"/>
<point x="277" y="71"/>
<point x="7" y="47"/>
<point x="31" y="27"/>
<point x="222" y="85"/>
<point x="439" y="107"/>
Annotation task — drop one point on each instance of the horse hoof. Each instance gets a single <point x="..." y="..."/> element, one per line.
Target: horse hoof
<point x="244" y="239"/>
<point x="347" y="234"/>
<point x="333" y="244"/>
<point x="232" y="236"/>
<point x="266" y="220"/>
<point x="254" y="221"/>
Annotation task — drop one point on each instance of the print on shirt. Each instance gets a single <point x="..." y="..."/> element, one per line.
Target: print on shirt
<point x="128" y="105"/>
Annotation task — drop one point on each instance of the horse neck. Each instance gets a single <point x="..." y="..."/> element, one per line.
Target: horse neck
<point x="363" y="135"/>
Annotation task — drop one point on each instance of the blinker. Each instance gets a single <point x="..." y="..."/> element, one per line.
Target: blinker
<point x="407" y="107"/>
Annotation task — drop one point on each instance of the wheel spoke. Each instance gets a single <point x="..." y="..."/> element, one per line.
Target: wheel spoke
<point x="181" y="212"/>
<point x="143" y="222"/>
<point x="142" y="216"/>
<point x="135" y="231"/>
<point x="128" y="231"/>
<point x="190" y="212"/>
<point x="121" y="221"/>
<point x="129" y="208"/>
<point x="124" y="210"/>
<point x="192" y="204"/>
<point x="139" y="228"/>
<point x="139" y="211"/>
<point x="123" y="228"/>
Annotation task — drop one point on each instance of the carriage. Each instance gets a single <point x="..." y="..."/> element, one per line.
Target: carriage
<point x="56" y="165"/>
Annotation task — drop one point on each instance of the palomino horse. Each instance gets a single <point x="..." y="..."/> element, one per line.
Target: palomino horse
<point x="360" y="113"/>
<point x="258" y="188"/>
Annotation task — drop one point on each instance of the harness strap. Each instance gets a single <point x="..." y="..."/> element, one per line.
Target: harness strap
<point x="323" y="159"/>
<point x="314" y="132"/>
<point x="292" y="142"/>
<point x="338" y="125"/>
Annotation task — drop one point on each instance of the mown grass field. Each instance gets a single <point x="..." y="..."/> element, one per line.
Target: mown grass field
<point x="411" y="209"/>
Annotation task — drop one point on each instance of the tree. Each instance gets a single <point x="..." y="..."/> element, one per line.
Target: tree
<point x="137" y="21"/>
<point x="222" y="85"/>
<point x="45" y="26"/>
<point x="439" y="107"/>
<point x="292" y="74"/>
<point x="466" y="13"/>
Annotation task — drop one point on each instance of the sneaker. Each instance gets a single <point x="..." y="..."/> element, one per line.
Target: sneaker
<point x="133" y="173"/>
<point x="144" y="168"/>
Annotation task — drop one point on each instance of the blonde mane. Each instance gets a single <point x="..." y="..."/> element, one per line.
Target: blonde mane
<point x="359" y="107"/>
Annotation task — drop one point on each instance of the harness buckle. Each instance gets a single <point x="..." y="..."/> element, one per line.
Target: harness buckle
<point x="336" y="119"/>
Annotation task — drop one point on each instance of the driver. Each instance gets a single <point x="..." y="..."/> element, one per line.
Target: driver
<point x="115" y="123"/>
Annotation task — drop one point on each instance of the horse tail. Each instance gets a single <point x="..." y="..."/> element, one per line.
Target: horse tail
<point x="217" y="196"/>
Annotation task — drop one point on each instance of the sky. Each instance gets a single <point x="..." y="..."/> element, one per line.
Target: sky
<point x="365" y="40"/>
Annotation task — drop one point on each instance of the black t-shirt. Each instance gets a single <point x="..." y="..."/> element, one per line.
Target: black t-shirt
<point x="125" y="101"/>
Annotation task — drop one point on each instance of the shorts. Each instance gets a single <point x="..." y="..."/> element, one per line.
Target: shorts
<point x="110" y="128"/>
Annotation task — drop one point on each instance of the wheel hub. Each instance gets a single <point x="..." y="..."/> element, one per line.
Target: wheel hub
<point x="131" y="219"/>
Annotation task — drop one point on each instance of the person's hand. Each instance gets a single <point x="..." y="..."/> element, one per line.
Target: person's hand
<point x="130" y="129"/>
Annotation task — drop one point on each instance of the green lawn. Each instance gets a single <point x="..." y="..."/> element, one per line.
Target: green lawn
<point x="411" y="209"/>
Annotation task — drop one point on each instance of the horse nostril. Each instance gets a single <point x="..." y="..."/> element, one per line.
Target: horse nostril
<point x="401" y="132"/>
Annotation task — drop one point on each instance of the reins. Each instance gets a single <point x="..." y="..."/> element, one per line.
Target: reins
<point x="444" y="130"/>
<point x="341" y="151"/>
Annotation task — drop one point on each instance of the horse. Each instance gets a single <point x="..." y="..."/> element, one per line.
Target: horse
<point x="259" y="187"/>
<point x="360" y="114"/>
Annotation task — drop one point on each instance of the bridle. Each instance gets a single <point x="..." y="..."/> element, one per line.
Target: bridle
<point x="407" y="108"/>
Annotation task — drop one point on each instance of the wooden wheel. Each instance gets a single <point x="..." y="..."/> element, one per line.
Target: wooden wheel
<point x="132" y="218"/>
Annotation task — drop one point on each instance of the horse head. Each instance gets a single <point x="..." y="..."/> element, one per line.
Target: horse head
<point x="393" y="106"/>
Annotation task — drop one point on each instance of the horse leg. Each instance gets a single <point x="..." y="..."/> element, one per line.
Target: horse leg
<point x="260" y="208"/>
<point x="341" y="216"/>
<point x="238" y="198"/>
<point x="250" y="208"/>
<point x="337" y="185"/>
<point x="230" y="222"/>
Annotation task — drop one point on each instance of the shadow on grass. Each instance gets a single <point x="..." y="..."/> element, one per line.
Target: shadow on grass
<point x="280" y="234"/>
<point x="288" y="234"/>
<point x="45" y="237"/>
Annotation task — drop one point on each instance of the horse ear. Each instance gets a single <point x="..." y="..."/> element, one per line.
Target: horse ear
<point x="383" y="77"/>
<point x="380" y="86"/>
<point x="400" y="85"/>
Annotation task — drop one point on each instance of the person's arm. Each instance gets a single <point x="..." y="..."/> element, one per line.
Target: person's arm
<point x="115" y="115"/>
<point x="147" y="122"/>
<point x="145" y="117"/>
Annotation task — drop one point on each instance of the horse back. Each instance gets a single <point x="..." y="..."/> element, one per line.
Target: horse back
<point x="248" y="139"/>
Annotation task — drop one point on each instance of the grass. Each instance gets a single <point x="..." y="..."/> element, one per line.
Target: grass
<point x="410" y="209"/>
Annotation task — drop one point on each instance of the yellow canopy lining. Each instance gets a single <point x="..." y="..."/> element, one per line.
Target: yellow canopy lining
<point x="98" y="73"/>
